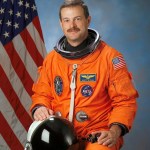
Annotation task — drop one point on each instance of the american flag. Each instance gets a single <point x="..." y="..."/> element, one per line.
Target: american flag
<point x="118" y="62"/>
<point x="22" y="51"/>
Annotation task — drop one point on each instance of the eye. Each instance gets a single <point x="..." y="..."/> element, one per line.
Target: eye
<point x="66" y="20"/>
<point x="78" y="18"/>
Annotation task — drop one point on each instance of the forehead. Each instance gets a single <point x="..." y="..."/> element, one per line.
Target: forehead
<point x="72" y="11"/>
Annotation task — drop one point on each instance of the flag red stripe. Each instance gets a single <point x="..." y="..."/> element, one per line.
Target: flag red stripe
<point x="8" y="135"/>
<point x="14" y="101"/>
<point x="31" y="47"/>
<point x="23" y="51"/>
<point x="19" y="67"/>
<point x="36" y="23"/>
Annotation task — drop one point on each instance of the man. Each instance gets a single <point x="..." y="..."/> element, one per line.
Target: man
<point x="86" y="81"/>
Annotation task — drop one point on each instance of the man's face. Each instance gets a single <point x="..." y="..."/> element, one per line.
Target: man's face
<point x="74" y="24"/>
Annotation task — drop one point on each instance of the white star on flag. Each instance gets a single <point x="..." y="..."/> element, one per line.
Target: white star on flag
<point x="22" y="51"/>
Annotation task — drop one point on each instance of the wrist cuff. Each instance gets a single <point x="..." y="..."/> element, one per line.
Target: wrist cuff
<point x="34" y="109"/>
<point x="124" y="129"/>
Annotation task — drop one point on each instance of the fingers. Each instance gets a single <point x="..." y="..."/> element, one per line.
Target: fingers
<point x="107" y="138"/>
<point x="103" y="138"/>
<point x="107" y="142"/>
<point x="42" y="113"/>
<point x="51" y="112"/>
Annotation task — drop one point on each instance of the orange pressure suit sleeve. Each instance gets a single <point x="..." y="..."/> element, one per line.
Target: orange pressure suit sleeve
<point x="122" y="93"/>
<point x="42" y="88"/>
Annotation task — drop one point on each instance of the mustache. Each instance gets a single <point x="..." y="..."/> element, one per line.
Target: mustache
<point x="73" y="29"/>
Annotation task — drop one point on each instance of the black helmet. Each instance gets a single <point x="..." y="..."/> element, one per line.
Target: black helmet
<point x="54" y="133"/>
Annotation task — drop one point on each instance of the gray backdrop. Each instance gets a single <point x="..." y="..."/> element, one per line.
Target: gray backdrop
<point x="125" y="25"/>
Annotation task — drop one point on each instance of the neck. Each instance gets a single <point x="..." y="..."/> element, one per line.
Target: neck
<point x="81" y="46"/>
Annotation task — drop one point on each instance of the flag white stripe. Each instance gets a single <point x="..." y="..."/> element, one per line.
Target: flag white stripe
<point x="20" y="84"/>
<point x="37" y="39"/>
<point x="17" y="85"/>
<point x="12" y="119"/>
<point x="24" y="55"/>
<point x="3" y="144"/>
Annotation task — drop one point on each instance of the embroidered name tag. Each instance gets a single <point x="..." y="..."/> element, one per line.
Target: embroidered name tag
<point x="88" y="77"/>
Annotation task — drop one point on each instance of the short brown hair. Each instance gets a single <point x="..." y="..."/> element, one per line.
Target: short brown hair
<point x="73" y="3"/>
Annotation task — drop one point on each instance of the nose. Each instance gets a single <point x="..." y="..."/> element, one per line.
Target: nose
<point x="73" y="24"/>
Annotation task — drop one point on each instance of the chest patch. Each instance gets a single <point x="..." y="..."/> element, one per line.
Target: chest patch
<point x="87" y="90"/>
<point x="58" y="83"/>
<point x="87" y="77"/>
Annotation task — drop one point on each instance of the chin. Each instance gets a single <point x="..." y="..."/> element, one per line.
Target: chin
<point x="73" y="39"/>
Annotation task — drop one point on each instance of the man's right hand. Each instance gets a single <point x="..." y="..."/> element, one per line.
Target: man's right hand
<point x="42" y="113"/>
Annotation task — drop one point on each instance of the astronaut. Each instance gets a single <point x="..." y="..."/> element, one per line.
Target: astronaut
<point x="86" y="81"/>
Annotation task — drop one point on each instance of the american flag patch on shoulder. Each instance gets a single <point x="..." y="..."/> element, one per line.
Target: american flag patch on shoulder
<point x="118" y="62"/>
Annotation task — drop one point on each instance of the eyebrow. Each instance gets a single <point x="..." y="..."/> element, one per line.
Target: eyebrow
<point x="73" y="18"/>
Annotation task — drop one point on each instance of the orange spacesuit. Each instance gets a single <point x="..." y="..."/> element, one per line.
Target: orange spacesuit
<point x="104" y="90"/>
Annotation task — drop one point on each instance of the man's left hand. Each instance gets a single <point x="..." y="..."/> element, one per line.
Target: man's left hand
<point x="109" y="138"/>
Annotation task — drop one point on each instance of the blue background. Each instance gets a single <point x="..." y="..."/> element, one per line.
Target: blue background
<point x="125" y="25"/>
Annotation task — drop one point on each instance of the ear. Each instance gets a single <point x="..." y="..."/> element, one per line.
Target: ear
<point x="89" y="20"/>
<point x="60" y="22"/>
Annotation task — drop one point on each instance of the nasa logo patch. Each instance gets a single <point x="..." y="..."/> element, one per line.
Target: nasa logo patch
<point x="87" y="90"/>
<point x="58" y="85"/>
